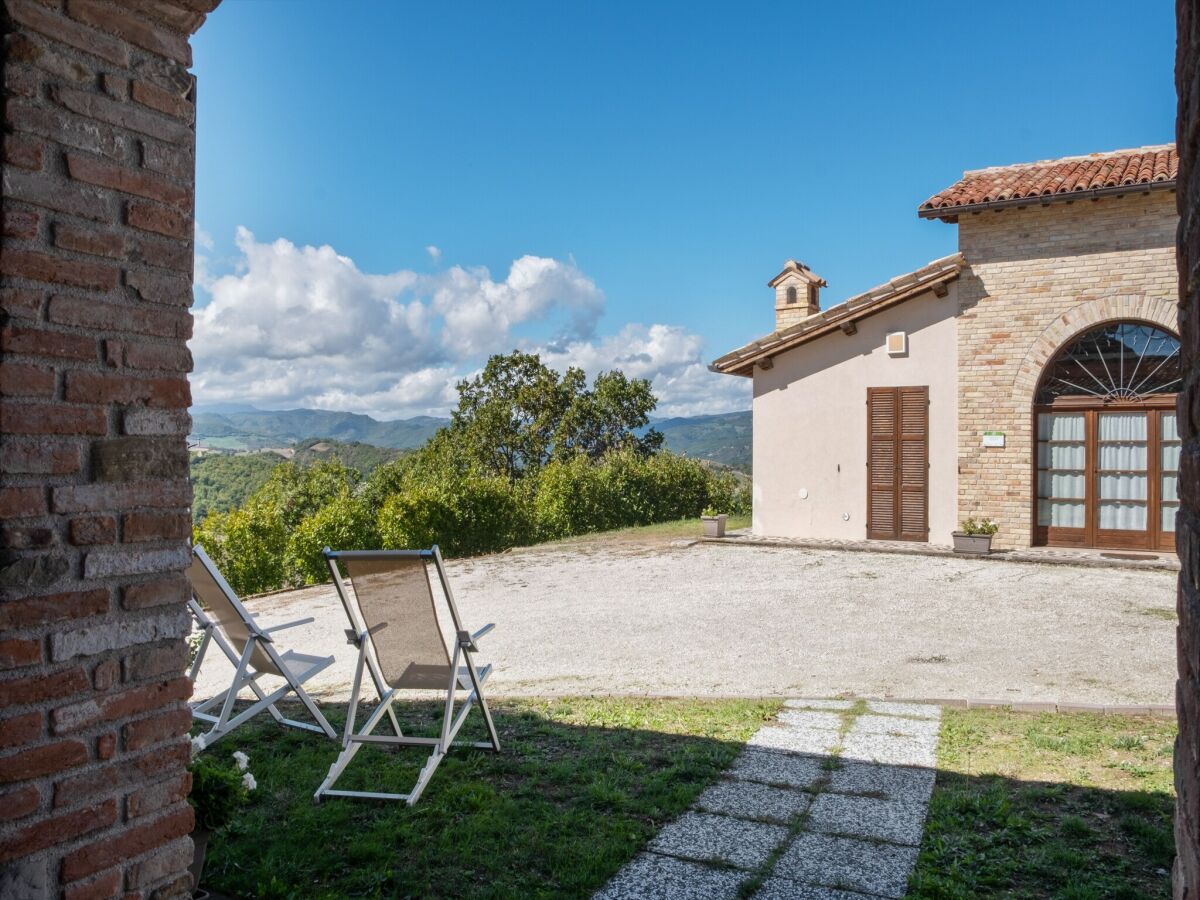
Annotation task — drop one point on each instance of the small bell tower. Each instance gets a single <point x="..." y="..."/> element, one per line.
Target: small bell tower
<point x="797" y="294"/>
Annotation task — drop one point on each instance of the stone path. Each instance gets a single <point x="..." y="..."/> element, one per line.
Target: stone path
<point x="827" y="803"/>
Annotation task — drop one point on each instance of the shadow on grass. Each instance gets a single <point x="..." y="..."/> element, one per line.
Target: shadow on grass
<point x="578" y="789"/>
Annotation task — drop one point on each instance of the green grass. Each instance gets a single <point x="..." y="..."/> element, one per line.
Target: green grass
<point x="1072" y="806"/>
<point x="579" y="788"/>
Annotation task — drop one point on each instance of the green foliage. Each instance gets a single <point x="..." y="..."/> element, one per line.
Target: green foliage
<point x="218" y="792"/>
<point x="365" y="458"/>
<point x="977" y="527"/>
<point x="464" y="516"/>
<point x="345" y="521"/>
<point x="221" y="483"/>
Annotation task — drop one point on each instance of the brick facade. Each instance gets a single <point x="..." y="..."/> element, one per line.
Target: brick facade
<point x="1186" y="875"/>
<point x="1035" y="277"/>
<point x="95" y="290"/>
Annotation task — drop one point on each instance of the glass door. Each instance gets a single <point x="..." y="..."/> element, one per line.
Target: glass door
<point x="1169" y="473"/>
<point x="1122" y="479"/>
<point x="1062" y="478"/>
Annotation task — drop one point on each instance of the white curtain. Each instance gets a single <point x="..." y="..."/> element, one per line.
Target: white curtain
<point x="1061" y="514"/>
<point x="1123" y="487"/>
<point x="1062" y="456"/>
<point x="1170" y="428"/>
<point x="1064" y="485"/>
<point x="1123" y="516"/>
<point x="1060" y="427"/>
<point x="1124" y="426"/>
<point x="1168" y="517"/>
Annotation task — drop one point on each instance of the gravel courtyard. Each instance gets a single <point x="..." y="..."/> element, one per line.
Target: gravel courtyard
<point x="752" y="621"/>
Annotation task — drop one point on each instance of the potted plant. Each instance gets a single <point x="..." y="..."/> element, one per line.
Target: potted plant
<point x="219" y="790"/>
<point x="975" y="536"/>
<point x="714" y="522"/>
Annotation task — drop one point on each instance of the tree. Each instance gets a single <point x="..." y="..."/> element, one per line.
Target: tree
<point x="518" y="414"/>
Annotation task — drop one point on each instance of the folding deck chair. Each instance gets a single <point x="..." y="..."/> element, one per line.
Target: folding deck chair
<point x="251" y="649"/>
<point x="394" y="624"/>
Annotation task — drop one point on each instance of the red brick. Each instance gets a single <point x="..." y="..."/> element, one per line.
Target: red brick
<point x="165" y="253"/>
<point x="73" y="717"/>
<point x="129" y="843"/>
<point x="176" y="161"/>
<point x="171" y="357"/>
<point x="52" y="418"/>
<point x="96" y="497"/>
<point x="21" y="503"/>
<point x="22" y="150"/>
<point x="106" y="745"/>
<point x="133" y="28"/>
<point x="38" y="342"/>
<point x="52" y="192"/>
<point x="158" y="796"/>
<point x="20" y="223"/>
<point x="17" y="652"/>
<point x="155" y="662"/>
<point x="115" y="86"/>
<point x="89" y="240"/>
<point x="102" y="887"/>
<point x="28" y="612"/>
<point x="159" y="219"/>
<point x="153" y="96"/>
<point x="93" y="530"/>
<point x="103" y="387"/>
<point x="130" y="181"/>
<point x="173" y="724"/>
<point x="18" y="803"/>
<point x="106" y="674"/>
<point x="119" y="317"/>
<point x="55" y="270"/>
<point x="39" y="457"/>
<point x="63" y="29"/>
<point x="21" y="81"/>
<point x="136" y="527"/>
<point x="143" y="699"/>
<point x="74" y="131"/>
<point x="58" y="830"/>
<point x="20" y="302"/>
<point x="172" y="858"/>
<point x="42" y="760"/>
<point x="172" y="290"/>
<point x="123" y="115"/>
<point x="22" y="729"/>
<point x="124" y="772"/>
<point x="157" y="593"/>
<point x="40" y="688"/>
<point x="27" y="537"/>
<point x="26" y="381"/>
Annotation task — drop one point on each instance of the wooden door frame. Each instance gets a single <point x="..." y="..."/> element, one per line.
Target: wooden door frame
<point x="897" y="474"/>
<point x="1154" y="538"/>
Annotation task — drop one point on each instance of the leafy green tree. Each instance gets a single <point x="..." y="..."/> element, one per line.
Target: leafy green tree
<point x="221" y="483"/>
<point x="344" y="523"/>
<point x="464" y="516"/>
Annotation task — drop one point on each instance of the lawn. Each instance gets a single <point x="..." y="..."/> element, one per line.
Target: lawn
<point x="1072" y="806"/>
<point x="580" y="786"/>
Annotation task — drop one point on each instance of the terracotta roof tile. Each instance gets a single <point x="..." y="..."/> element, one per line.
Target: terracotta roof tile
<point x="1055" y="178"/>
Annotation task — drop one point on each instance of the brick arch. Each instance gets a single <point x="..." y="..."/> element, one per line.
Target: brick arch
<point x="1078" y="319"/>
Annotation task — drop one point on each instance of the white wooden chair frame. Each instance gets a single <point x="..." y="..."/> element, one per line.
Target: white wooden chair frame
<point x="468" y="678"/>
<point x="245" y="676"/>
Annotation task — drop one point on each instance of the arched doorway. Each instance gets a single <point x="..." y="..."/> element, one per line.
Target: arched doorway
<point x="1106" y="466"/>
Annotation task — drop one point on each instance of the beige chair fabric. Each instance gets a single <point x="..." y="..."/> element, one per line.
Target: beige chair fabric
<point x="223" y="606"/>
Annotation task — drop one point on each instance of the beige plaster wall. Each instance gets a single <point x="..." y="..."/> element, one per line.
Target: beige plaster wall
<point x="810" y="418"/>
<point x="1035" y="278"/>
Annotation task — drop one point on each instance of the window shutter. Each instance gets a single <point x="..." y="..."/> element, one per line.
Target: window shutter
<point x="914" y="463"/>
<point x="898" y="463"/>
<point x="881" y="463"/>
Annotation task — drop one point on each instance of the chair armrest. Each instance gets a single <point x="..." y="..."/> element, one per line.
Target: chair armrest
<point x="482" y="631"/>
<point x="467" y="640"/>
<point x="274" y="628"/>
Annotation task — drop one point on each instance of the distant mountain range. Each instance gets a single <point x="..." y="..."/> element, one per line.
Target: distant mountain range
<point x="723" y="438"/>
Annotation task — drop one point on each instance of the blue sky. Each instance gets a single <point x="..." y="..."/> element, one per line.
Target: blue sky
<point x="654" y="163"/>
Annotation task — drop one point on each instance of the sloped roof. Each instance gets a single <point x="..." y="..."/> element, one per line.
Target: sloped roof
<point x="890" y="293"/>
<point x="1056" y="179"/>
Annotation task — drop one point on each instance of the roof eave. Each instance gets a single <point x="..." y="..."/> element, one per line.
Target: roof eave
<point x="951" y="213"/>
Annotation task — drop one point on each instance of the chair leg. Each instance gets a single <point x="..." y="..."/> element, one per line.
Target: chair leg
<point x="351" y="747"/>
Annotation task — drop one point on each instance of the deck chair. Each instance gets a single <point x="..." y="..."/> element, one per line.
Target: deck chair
<point x="394" y="624"/>
<point x="225" y="621"/>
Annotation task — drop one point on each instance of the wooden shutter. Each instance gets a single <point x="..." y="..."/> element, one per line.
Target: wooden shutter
<point x="898" y="463"/>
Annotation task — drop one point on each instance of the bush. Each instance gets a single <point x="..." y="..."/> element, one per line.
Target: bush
<point x="464" y="516"/>
<point x="344" y="523"/>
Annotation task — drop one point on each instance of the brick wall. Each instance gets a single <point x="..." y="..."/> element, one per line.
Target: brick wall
<point x="95" y="289"/>
<point x="1187" y="694"/>
<point x="1035" y="277"/>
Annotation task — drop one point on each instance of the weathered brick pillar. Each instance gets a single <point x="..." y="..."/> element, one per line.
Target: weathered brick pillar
<point x="1187" y="693"/>
<point x="95" y="289"/>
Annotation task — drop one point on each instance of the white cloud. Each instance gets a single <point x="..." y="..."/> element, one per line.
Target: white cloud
<point x="434" y="253"/>
<point x="303" y="326"/>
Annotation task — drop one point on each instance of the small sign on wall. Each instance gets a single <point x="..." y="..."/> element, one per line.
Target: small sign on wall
<point x="993" y="439"/>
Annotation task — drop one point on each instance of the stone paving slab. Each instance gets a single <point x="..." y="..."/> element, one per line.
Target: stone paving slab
<point x="653" y="877"/>
<point x="868" y="817"/>
<point x="810" y="721"/>
<point x="911" y="785"/>
<point x="749" y="800"/>
<point x="795" y="740"/>
<point x="776" y="888"/>
<point x="864" y="866"/>
<point x="778" y="767"/>
<point x="875" y="724"/>
<point x="886" y="748"/>
<point x="818" y="704"/>
<point x="701" y="836"/>
<point x="916" y="710"/>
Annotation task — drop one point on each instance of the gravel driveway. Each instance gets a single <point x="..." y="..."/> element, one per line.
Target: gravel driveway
<point x="753" y="621"/>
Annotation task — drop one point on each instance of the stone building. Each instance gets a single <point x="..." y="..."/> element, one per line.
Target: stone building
<point x="1029" y="379"/>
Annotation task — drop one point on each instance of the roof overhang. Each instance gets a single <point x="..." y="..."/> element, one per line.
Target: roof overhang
<point x="843" y="317"/>
<point x="951" y="213"/>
